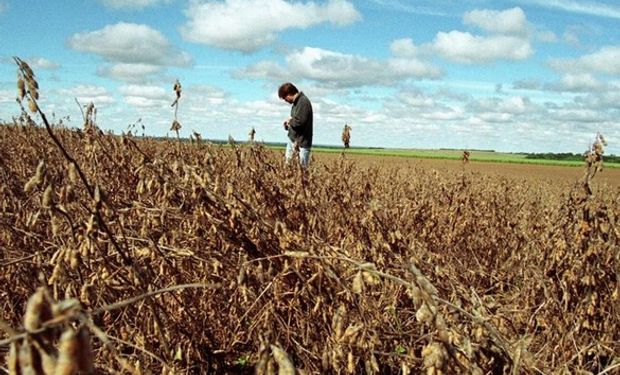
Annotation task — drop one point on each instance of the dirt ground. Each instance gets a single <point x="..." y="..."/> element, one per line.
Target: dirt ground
<point x="567" y="176"/>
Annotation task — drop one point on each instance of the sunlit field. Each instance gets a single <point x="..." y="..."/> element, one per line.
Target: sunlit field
<point x="121" y="254"/>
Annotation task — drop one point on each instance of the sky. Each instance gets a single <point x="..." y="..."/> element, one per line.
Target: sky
<point x="510" y="76"/>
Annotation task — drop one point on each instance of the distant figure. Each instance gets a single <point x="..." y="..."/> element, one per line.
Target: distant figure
<point x="346" y="135"/>
<point x="252" y="133"/>
<point x="299" y="125"/>
<point x="465" y="157"/>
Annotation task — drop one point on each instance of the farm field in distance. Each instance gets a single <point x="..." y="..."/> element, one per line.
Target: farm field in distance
<point x="545" y="171"/>
<point x="160" y="256"/>
<point x="475" y="155"/>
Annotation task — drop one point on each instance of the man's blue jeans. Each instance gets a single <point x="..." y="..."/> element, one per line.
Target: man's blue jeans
<point x="304" y="154"/>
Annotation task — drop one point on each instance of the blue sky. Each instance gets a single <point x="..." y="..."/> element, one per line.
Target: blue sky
<point x="522" y="75"/>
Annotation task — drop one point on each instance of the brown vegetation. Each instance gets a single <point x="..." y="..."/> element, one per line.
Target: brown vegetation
<point x="194" y="258"/>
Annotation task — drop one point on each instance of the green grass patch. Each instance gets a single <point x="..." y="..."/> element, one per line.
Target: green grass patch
<point x="475" y="156"/>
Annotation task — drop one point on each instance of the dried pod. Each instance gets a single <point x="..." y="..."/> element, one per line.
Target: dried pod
<point x="69" y="352"/>
<point x="85" y="354"/>
<point x="38" y="310"/>
<point x="358" y="283"/>
<point x="13" y="364"/>
<point x="263" y="357"/>
<point x="29" y="359"/>
<point x="350" y="363"/>
<point x="40" y="173"/>
<point x="176" y="126"/>
<point x="32" y="106"/>
<point x="177" y="88"/>
<point x="424" y="314"/>
<point x="285" y="365"/>
<point x="73" y="176"/>
<point x="26" y="68"/>
<point x="38" y="177"/>
<point x="30" y="185"/>
<point x="47" y="200"/>
<point x="65" y="307"/>
<point x="434" y="356"/>
<point x="97" y="196"/>
<point x="21" y="88"/>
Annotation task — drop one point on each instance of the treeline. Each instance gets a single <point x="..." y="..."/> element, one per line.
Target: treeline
<point x="567" y="156"/>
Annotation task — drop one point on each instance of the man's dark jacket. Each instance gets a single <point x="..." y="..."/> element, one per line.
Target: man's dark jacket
<point x="300" y="124"/>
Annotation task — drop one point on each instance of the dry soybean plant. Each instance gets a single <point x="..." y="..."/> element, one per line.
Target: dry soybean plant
<point x="184" y="259"/>
<point x="176" y="125"/>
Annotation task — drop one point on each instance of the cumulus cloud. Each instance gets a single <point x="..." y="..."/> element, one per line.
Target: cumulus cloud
<point x="510" y="21"/>
<point x="131" y="4"/>
<point x="404" y="48"/>
<point x="268" y="70"/>
<point x="340" y="70"/>
<point x="466" y="48"/>
<point x="132" y="73"/>
<point x="507" y="38"/>
<point x="42" y="63"/>
<point x="130" y="43"/>
<point x="248" y="25"/>
<point x="580" y="82"/>
<point x="88" y="93"/>
<point x="606" y="61"/>
<point x="416" y="98"/>
<point x="145" y="96"/>
<point x="513" y="105"/>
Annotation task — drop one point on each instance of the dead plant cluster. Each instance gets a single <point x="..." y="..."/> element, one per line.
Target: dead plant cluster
<point x="173" y="257"/>
<point x="340" y="269"/>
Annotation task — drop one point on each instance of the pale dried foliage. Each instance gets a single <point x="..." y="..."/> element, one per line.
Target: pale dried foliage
<point x="338" y="269"/>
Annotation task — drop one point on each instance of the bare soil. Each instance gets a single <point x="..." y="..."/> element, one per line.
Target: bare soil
<point x="566" y="176"/>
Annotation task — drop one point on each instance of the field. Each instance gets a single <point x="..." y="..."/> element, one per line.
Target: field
<point x="546" y="172"/>
<point x="129" y="255"/>
<point x="478" y="156"/>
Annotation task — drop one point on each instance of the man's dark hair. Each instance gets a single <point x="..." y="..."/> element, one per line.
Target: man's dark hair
<point x="287" y="89"/>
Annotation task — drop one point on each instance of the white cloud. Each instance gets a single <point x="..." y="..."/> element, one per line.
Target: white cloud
<point x="417" y="99"/>
<point x="603" y="100"/>
<point x="131" y="4"/>
<point x="606" y="60"/>
<point x="582" y="7"/>
<point x="404" y="48"/>
<point x="508" y="107"/>
<point x="42" y="63"/>
<point x="510" y="21"/>
<point x="263" y="70"/>
<point x="8" y="96"/>
<point x="247" y="25"/>
<point x="130" y="43"/>
<point x="466" y="48"/>
<point x="514" y="105"/>
<point x="146" y="96"/>
<point x="339" y="70"/>
<point x="580" y="82"/>
<point x="88" y="93"/>
<point x="576" y="115"/>
<point x="132" y="73"/>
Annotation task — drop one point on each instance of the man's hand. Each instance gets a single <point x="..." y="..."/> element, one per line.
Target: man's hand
<point x="286" y="124"/>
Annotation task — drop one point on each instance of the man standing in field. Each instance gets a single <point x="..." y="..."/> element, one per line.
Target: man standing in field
<point x="299" y="125"/>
